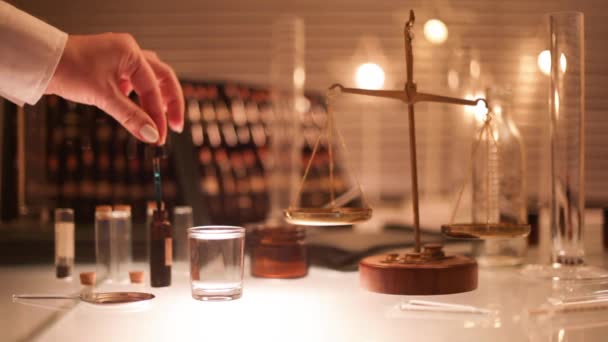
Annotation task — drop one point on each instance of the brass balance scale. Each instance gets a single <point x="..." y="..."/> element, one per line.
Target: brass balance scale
<point x="427" y="270"/>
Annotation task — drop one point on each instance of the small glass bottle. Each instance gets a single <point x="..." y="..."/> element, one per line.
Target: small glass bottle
<point x="64" y="242"/>
<point x="278" y="252"/>
<point x="161" y="249"/>
<point x="499" y="184"/>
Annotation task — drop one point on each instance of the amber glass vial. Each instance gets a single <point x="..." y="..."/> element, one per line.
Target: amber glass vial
<point x="278" y="252"/>
<point x="161" y="249"/>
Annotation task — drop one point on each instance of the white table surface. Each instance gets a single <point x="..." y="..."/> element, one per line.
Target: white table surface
<point x="324" y="306"/>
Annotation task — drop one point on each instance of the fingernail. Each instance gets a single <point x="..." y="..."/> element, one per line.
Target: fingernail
<point x="149" y="133"/>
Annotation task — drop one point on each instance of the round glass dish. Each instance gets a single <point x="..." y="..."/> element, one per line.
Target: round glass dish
<point x="327" y="216"/>
<point x="278" y="251"/>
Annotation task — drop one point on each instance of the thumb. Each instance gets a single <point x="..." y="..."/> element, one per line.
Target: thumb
<point x="131" y="117"/>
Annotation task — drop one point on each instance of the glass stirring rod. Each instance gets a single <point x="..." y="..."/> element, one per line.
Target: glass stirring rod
<point x="158" y="153"/>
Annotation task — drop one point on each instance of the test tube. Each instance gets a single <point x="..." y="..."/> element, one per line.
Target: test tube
<point x="120" y="246"/>
<point x="103" y="218"/>
<point x="113" y="242"/>
<point x="182" y="221"/>
<point x="125" y="235"/>
<point x="64" y="242"/>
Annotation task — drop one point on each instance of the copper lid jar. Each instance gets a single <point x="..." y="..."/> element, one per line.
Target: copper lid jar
<point x="278" y="252"/>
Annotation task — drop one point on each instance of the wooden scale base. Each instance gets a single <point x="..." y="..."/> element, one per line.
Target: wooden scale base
<point x="428" y="273"/>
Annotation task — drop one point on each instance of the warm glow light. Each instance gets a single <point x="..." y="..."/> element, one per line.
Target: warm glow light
<point x="453" y="79"/>
<point x="302" y="104"/>
<point x="369" y="76"/>
<point x="435" y="31"/>
<point x="497" y="110"/>
<point x="479" y="111"/>
<point x="475" y="68"/>
<point x="299" y="77"/>
<point x="556" y="103"/>
<point x="544" y="62"/>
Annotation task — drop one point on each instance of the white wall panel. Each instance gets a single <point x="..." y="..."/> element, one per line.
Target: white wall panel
<point x="231" y="40"/>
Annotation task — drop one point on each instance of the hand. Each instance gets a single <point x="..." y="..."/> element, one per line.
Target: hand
<point x="101" y="70"/>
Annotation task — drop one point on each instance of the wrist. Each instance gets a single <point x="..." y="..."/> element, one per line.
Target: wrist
<point x="55" y="83"/>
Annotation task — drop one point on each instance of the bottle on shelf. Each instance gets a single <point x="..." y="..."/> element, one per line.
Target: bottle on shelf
<point x="210" y="185"/>
<point x="257" y="184"/>
<point x="228" y="186"/>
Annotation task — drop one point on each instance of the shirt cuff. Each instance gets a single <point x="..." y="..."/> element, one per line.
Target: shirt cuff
<point x="30" y="50"/>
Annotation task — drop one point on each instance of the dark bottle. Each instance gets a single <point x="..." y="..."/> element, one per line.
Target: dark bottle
<point x="210" y="185"/>
<point x="243" y="188"/>
<point x="161" y="249"/>
<point x="70" y="174"/>
<point x="103" y="162"/>
<point x="228" y="186"/>
<point x="87" y="185"/>
<point x="259" y="189"/>
<point x="54" y="144"/>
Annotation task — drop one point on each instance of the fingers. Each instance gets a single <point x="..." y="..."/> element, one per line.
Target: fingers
<point x="170" y="89"/>
<point x="145" y="84"/>
<point x="131" y="116"/>
<point x="125" y="87"/>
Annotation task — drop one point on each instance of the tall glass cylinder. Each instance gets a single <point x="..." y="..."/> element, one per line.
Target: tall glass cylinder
<point x="567" y="130"/>
<point x="567" y="137"/>
<point x="288" y="76"/>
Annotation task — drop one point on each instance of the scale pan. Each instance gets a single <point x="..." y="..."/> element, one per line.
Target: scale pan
<point x="483" y="231"/>
<point x="327" y="216"/>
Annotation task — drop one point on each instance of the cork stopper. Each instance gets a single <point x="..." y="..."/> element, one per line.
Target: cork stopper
<point x="103" y="209"/>
<point x="87" y="278"/>
<point x="137" y="277"/>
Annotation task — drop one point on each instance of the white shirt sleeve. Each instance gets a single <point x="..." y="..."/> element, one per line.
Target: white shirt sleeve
<point x="30" y="50"/>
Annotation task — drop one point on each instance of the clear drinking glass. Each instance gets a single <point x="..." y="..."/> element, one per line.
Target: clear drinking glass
<point x="567" y="151"/>
<point x="216" y="262"/>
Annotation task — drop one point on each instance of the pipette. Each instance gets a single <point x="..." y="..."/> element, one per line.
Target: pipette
<point x="158" y="153"/>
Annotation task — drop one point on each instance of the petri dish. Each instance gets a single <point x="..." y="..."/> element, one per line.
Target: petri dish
<point x="112" y="298"/>
<point x="482" y="231"/>
<point x="327" y="216"/>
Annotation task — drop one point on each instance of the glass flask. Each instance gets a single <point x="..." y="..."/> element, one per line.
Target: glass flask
<point x="499" y="184"/>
